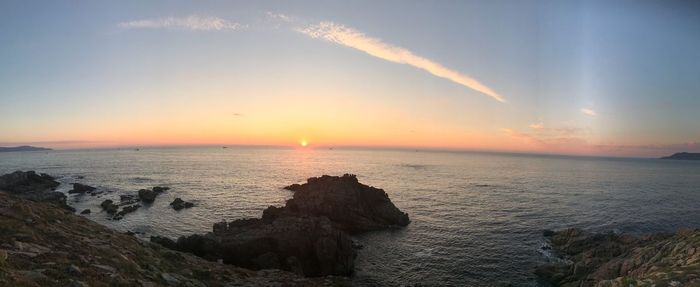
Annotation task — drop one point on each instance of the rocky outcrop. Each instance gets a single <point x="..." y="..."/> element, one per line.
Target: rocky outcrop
<point x="149" y="195"/>
<point x="683" y="156"/>
<point x="178" y="204"/>
<point x="33" y="186"/>
<point x="352" y="206"/>
<point x="57" y="248"/>
<point x="623" y="260"/>
<point x="308" y="236"/>
<point x="109" y="206"/>
<point x="81" y="188"/>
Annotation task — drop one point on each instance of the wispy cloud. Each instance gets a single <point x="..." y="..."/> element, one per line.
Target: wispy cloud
<point x="589" y="112"/>
<point x="192" y="22"/>
<point x="352" y="38"/>
<point x="536" y="126"/>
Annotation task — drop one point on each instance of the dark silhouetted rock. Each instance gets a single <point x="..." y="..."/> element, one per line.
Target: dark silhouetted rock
<point x="126" y="210"/>
<point x="32" y="186"/>
<point x="109" y="206"/>
<point x="293" y="187"/>
<point x="86" y="211"/>
<point x="81" y="188"/>
<point x="352" y="206"/>
<point x="178" y="204"/>
<point x="148" y="196"/>
<point x="307" y="236"/>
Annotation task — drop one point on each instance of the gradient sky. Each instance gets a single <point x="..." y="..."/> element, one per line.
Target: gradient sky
<point x="595" y="77"/>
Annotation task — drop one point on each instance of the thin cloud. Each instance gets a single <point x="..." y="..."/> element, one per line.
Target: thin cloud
<point x="589" y="112"/>
<point x="352" y="38"/>
<point x="536" y="126"/>
<point x="193" y="22"/>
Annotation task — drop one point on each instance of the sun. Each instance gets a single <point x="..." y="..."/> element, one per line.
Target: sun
<point x="303" y="143"/>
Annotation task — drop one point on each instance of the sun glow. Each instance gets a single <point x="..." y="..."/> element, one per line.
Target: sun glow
<point x="303" y="143"/>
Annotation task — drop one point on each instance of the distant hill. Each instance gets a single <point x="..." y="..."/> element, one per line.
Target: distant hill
<point x="684" y="156"/>
<point x="22" y="148"/>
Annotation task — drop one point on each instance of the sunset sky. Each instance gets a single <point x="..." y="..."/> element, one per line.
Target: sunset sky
<point x="596" y="78"/>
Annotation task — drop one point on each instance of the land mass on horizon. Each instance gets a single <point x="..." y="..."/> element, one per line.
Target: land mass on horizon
<point x="22" y="148"/>
<point x="683" y="156"/>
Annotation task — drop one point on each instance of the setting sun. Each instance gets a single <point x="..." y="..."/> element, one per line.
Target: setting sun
<point x="303" y="143"/>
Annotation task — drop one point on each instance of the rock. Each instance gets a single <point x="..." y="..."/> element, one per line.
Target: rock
<point x="74" y="270"/>
<point x="170" y="279"/>
<point x="3" y="257"/>
<point x="35" y="187"/>
<point x="86" y="211"/>
<point x="293" y="187"/>
<point x="352" y="206"/>
<point x="159" y="189"/>
<point x="149" y="196"/>
<point x="20" y="182"/>
<point x="81" y="188"/>
<point x="126" y="210"/>
<point x="601" y="259"/>
<point x="109" y="206"/>
<point x="318" y="248"/>
<point x="547" y="233"/>
<point x="178" y="204"/>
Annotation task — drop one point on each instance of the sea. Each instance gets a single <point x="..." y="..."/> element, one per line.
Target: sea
<point x="476" y="218"/>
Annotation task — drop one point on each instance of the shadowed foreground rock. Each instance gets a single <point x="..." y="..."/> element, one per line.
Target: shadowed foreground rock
<point x="42" y="245"/>
<point x="308" y="236"/>
<point x="603" y="260"/>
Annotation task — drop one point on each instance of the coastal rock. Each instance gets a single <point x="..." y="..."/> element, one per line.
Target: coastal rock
<point x="317" y="247"/>
<point x="32" y="186"/>
<point x="86" y="211"/>
<point x="81" y="188"/>
<point x="602" y="259"/>
<point x="352" y="206"/>
<point x="126" y="210"/>
<point x="309" y="235"/>
<point x="148" y="196"/>
<point x="178" y="204"/>
<point x="109" y="206"/>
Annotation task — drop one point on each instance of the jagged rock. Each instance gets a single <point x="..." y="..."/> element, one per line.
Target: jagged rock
<point x="319" y="248"/>
<point x="601" y="259"/>
<point x="81" y="188"/>
<point x="126" y="210"/>
<point x="352" y="206"/>
<point x="202" y="246"/>
<point x="109" y="206"/>
<point x="86" y="211"/>
<point x="149" y="196"/>
<point x="178" y="204"/>
<point x="32" y="186"/>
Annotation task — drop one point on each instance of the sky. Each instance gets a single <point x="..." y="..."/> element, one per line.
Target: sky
<point x="618" y="78"/>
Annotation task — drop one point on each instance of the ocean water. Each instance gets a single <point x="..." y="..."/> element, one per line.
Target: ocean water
<point x="476" y="217"/>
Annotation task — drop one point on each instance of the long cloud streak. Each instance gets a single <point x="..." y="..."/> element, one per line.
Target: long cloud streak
<point x="352" y="38"/>
<point x="194" y="22"/>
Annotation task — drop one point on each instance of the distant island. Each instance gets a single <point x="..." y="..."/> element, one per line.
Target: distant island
<point x="22" y="148"/>
<point x="683" y="156"/>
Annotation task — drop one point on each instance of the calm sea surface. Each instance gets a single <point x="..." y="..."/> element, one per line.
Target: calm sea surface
<point x="476" y="217"/>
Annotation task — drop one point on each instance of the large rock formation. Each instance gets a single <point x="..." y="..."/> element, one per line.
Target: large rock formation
<point x="42" y="245"/>
<point x="352" y="206"/>
<point x="603" y="260"/>
<point x="33" y="186"/>
<point x="308" y="236"/>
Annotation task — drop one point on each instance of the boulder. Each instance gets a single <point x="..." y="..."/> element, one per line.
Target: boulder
<point x="126" y="210"/>
<point x="352" y="206"/>
<point x="86" y="211"/>
<point x="35" y="187"/>
<point x="81" y="188"/>
<point x="148" y="196"/>
<point x="178" y="204"/>
<point x="109" y="206"/>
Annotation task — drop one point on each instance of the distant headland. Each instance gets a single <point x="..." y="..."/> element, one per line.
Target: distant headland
<point x="683" y="156"/>
<point x="22" y="148"/>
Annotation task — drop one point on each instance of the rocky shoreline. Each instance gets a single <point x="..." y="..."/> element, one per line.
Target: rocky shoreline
<point x="606" y="260"/>
<point x="308" y="237"/>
